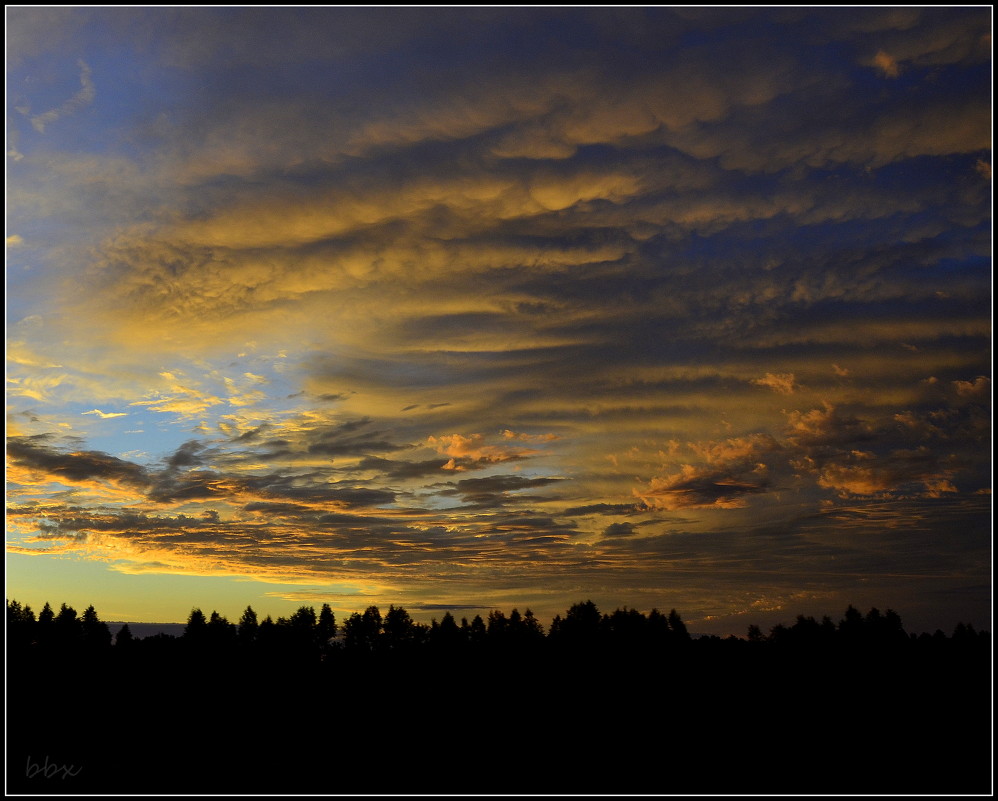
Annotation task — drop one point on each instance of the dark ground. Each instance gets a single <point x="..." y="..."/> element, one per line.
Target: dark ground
<point x="579" y="723"/>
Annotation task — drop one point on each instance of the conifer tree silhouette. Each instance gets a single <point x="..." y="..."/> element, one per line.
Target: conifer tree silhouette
<point x="326" y="627"/>
<point x="95" y="634"/>
<point x="124" y="637"/>
<point x="196" y="630"/>
<point x="248" y="627"/>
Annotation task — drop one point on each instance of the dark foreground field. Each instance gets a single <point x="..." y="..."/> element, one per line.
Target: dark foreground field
<point x="707" y="719"/>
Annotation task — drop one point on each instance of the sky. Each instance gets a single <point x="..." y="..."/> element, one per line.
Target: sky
<point x="489" y="308"/>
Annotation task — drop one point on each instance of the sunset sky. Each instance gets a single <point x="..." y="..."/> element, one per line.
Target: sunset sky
<point x="463" y="309"/>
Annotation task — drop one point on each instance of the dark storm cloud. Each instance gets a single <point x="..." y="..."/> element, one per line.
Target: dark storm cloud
<point x="276" y="508"/>
<point x="603" y="509"/>
<point x="127" y="524"/>
<point x="619" y="530"/>
<point x="828" y="427"/>
<point x="500" y="484"/>
<point x="354" y="448"/>
<point x="495" y="490"/>
<point x="887" y="454"/>
<point x="176" y="484"/>
<point x="344" y="439"/>
<point x="190" y="486"/>
<point x="35" y="453"/>
<point x="401" y="469"/>
<point x="292" y="488"/>
<point x="366" y="523"/>
<point x="187" y="455"/>
<point x="838" y="542"/>
<point x="695" y="489"/>
<point x="254" y="433"/>
<point x="450" y="608"/>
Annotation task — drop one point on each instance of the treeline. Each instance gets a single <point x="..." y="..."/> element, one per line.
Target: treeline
<point x="307" y="634"/>
<point x="606" y="703"/>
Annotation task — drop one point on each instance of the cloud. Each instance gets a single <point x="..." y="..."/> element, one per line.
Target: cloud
<point x="84" y="97"/>
<point x="619" y="530"/>
<point x="37" y="455"/>
<point x="863" y="474"/>
<point x="424" y="329"/>
<point x="979" y="388"/>
<point x="492" y="490"/>
<point x="105" y="415"/>
<point x="402" y="470"/>
<point x="473" y="448"/>
<point x="18" y="352"/>
<point x="697" y="488"/>
<point x="886" y="64"/>
<point x="602" y="509"/>
<point x="510" y="435"/>
<point x="733" y="469"/>
<point x="186" y="402"/>
<point x="826" y="426"/>
<point x="783" y="383"/>
<point x="187" y="455"/>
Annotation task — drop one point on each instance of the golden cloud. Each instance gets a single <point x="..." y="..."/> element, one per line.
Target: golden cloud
<point x="474" y="447"/>
<point x="784" y="383"/>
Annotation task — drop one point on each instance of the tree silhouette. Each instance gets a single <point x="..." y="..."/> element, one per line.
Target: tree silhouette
<point x="13" y="611"/>
<point x="626" y="628"/>
<point x="497" y="628"/>
<point x="325" y="629"/>
<point x="399" y="629"/>
<point x="677" y="626"/>
<point x="448" y="636"/>
<point x="303" y="619"/>
<point x="886" y="628"/>
<point x="361" y="631"/>
<point x="67" y="627"/>
<point x="196" y="630"/>
<point x="532" y="627"/>
<point x="851" y="626"/>
<point x="124" y="637"/>
<point x="582" y="623"/>
<point x="966" y="634"/>
<point x="266" y="635"/>
<point x="95" y="634"/>
<point x="248" y="627"/>
<point x="220" y="632"/>
<point x="45" y="627"/>
<point x="657" y="626"/>
<point x="21" y="625"/>
<point x="477" y="632"/>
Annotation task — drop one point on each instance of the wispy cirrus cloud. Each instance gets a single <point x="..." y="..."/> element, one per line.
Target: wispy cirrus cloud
<point x="84" y="97"/>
